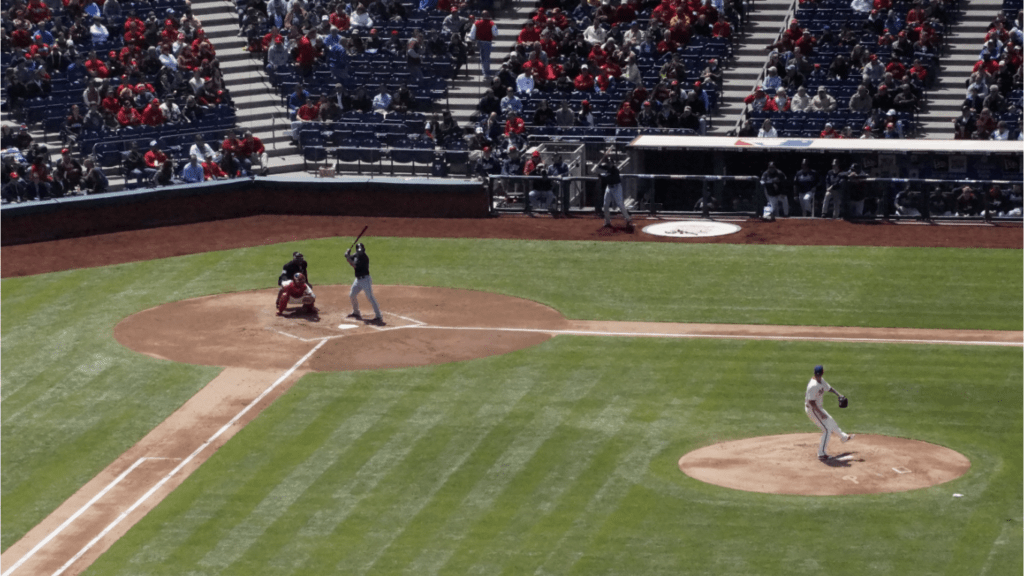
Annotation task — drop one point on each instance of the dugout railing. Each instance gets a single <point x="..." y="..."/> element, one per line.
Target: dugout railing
<point x="744" y="196"/>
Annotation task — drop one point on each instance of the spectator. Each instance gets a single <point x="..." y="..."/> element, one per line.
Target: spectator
<point x="823" y="102"/>
<point x="967" y="201"/>
<point x="250" y="150"/>
<point x="193" y="172"/>
<point x="964" y="125"/>
<point x="511" y="103"/>
<point x="861" y="102"/>
<point x="212" y="170"/>
<point x="487" y="165"/>
<point x="1002" y="131"/>
<point x="201" y="149"/>
<point x="483" y="30"/>
<point x="94" y="181"/>
<point x="153" y="158"/>
<point x="564" y="116"/>
<point x="801" y="101"/>
<point x="544" y="115"/>
<point x="382" y="102"/>
<point x="767" y="130"/>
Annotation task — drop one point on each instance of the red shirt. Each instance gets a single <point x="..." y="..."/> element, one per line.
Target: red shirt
<point x="529" y="34"/>
<point x="584" y="82"/>
<point x="626" y="116"/>
<point x="211" y="170"/>
<point x="153" y="116"/>
<point x="306" y="54"/>
<point x="308" y="112"/>
<point x="514" y="126"/>
<point x="111" y="104"/>
<point x="721" y="29"/>
<point x="37" y="12"/>
<point x="97" y="67"/>
<point x="129" y="116"/>
<point x="603" y="81"/>
<point x="340" y="20"/>
<point x="897" y="69"/>
<point x="248" y="147"/>
<point x="232" y="145"/>
<point x="484" y="30"/>
<point x="154" y="159"/>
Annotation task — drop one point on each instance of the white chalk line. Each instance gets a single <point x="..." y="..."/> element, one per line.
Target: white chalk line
<point x="162" y="481"/>
<point x="720" y="336"/>
<point x="80" y="511"/>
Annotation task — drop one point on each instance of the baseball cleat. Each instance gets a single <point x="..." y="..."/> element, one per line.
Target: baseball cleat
<point x="377" y="321"/>
<point x="848" y="437"/>
<point x="823" y="457"/>
<point x="354" y="315"/>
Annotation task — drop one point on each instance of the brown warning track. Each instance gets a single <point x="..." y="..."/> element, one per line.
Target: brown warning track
<point x="420" y="330"/>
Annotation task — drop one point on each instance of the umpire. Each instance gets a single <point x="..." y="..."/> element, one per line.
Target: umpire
<point x="295" y="265"/>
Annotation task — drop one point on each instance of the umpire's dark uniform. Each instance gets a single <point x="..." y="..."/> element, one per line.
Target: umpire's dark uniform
<point x="294" y="266"/>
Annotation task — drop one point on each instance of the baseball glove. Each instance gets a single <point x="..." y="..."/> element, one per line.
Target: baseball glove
<point x="843" y="402"/>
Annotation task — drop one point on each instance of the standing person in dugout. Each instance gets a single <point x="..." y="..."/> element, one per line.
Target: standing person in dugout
<point x="611" y="182"/>
<point x="816" y="389"/>
<point x="361" y="263"/>
<point x="773" y="179"/>
<point x="296" y="291"/>
<point x="292" y="267"/>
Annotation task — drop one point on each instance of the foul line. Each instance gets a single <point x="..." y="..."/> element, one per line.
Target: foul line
<point x="723" y="336"/>
<point x="79" y="512"/>
<point x="162" y="481"/>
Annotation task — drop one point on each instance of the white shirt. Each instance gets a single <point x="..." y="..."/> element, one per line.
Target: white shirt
<point x="524" y="83"/>
<point x="815" y="390"/>
<point x="169" y="61"/>
<point x="99" y="33"/>
<point x="770" y="133"/>
<point x="204" y="152"/>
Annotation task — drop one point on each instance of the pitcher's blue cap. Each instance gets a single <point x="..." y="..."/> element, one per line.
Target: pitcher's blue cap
<point x="819" y="370"/>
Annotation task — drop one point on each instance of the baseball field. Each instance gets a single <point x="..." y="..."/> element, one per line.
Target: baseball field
<point x="561" y="457"/>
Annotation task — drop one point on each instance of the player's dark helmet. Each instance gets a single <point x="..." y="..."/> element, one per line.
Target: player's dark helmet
<point x="819" y="370"/>
<point x="360" y="247"/>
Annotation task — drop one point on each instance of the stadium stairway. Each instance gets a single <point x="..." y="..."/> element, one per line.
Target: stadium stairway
<point x="963" y="44"/>
<point x="257" y="104"/>
<point x="766" y="19"/>
<point x="466" y="91"/>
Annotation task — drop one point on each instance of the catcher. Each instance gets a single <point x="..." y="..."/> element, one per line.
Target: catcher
<point x="816" y="389"/>
<point x="296" y="291"/>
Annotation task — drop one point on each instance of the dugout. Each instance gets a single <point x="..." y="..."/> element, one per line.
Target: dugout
<point x="945" y="160"/>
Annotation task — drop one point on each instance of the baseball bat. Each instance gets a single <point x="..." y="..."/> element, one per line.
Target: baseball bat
<point x="358" y="237"/>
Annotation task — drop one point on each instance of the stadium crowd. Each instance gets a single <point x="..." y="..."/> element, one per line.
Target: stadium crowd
<point x="992" y="105"/>
<point x="104" y="72"/>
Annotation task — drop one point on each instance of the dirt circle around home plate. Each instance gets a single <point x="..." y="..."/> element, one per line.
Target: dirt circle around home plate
<point x="788" y="464"/>
<point x="423" y="325"/>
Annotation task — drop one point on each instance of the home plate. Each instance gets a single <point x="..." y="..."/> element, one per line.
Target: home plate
<point x="347" y="326"/>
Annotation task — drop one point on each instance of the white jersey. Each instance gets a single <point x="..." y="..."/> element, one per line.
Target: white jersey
<point x="815" y="390"/>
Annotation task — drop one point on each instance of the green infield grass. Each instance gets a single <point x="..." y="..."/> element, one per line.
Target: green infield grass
<point x="73" y="399"/>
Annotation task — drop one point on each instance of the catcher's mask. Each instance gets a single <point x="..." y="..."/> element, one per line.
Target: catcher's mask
<point x="360" y="247"/>
<point x="300" y="277"/>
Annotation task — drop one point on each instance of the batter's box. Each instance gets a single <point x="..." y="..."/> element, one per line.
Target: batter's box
<point x="392" y="321"/>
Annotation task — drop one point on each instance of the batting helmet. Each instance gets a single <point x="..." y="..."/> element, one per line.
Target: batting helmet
<point x="819" y="370"/>
<point x="360" y="247"/>
<point x="300" y="277"/>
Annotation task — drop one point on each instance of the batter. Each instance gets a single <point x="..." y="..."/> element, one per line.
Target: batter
<point x="816" y="389"/>
<point x="361" y="263"/>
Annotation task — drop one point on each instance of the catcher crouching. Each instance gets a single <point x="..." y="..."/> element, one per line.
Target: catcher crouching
<point x="297" y="292"/>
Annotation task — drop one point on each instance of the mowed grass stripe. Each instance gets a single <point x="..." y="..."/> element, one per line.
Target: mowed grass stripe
<point x="473" y="491"/>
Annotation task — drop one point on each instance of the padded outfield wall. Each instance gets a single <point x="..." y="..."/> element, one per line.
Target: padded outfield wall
<point x="343" y="196"/>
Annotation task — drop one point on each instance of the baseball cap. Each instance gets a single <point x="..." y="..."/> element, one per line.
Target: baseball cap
<point x="14" y="174"/>
<point x="891" y="112"/>
<point x="536" y="154"/>
<point x="65" y="151"/>
<point x="819" y="369"/>
<point x="152" y="143"/>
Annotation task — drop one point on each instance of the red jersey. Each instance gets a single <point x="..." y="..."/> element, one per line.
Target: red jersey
<point x="295" y="290"/>
<point x="154" y="159"/>
<point x="248" y="147"/>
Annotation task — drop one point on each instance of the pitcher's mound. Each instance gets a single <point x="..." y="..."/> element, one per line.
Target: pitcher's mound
<point x="788" y="464"/>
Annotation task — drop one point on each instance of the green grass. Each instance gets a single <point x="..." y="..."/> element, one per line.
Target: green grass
<point x="73" y="399"/>
<point x="562" y="459"/>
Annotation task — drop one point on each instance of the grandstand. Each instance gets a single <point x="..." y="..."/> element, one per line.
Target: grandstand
<point x="373" y="96"/>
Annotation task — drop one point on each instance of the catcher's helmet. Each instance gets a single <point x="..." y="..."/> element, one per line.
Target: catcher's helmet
<point x="360" y="247"/>
<point x="819" y="370"/>
<point x="300" y="277"/>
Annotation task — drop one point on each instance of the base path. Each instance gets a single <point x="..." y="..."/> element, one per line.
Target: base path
<point x="788" y="464"/>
